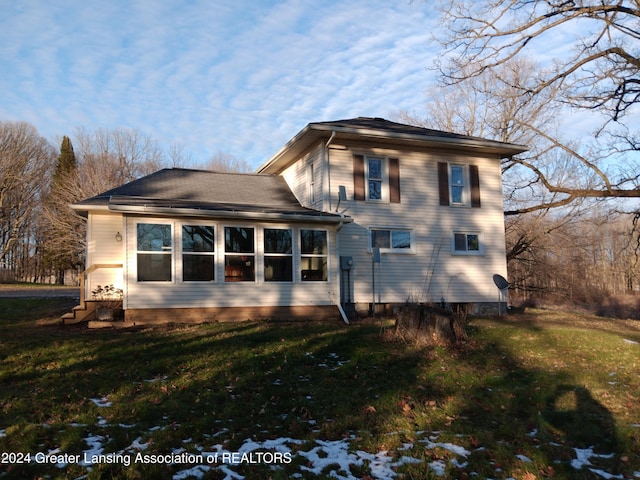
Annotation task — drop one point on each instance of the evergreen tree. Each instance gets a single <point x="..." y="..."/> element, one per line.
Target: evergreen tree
<point x="66" y="162"/>
<point x="59" y="256"/>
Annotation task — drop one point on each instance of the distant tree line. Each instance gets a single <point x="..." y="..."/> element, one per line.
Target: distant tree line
<point x="41" y="239"/>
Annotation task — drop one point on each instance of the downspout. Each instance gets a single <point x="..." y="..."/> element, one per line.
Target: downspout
<point x="325" y="160"/>
<point x="325" y="154"/>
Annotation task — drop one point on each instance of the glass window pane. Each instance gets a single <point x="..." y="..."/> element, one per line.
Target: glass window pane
<point x="460" y="242"/>
<point x="198" y="268"/>
<point x="456" y="194"/>
<point x="238" y="240"/>
<point x="314" y="269"/>
<point x="239" y="268"/>
<point x="380" y="238"/>
<point x="456" y="176"/>
<point x="313" y="242"/>
<point x="375" y="168"/>
<point x="375" y="190"/>
<point x="277" y="241"/>
<point x="473" y="243"/>
<point x="154" y="237"/>
<point x="400" y="239"/>
<point x="154" y="267"/>
<point x="278" y="269"/>
<point x="197" y="238"/>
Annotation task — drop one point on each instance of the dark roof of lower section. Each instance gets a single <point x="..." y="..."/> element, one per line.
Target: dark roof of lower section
<point x="192" y="192"/>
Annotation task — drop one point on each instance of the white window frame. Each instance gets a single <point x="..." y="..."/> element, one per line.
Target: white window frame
<point x="311" y="183"/>
<point x="255" y="254"/>
<point x="465" y="201"/>
<point x="402" y="251"/>
<point x="384" y="187"/>
<point x="170" y="251"/>
<point x="266" y="254"/>
<point x="301" y="256"/>
<point x="213" y="254"/>
<point x="467" y="233"/>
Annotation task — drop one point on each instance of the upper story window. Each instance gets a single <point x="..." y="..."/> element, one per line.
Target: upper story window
<point x="376" y="178"/>
<point x="311" y="182"/>
<point x="198" y="253"/>
<point x="154" y="252"/>
<point x="459" y="185"/>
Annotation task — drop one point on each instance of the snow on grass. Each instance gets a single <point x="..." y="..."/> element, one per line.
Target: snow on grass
<point x="101" y="402"/>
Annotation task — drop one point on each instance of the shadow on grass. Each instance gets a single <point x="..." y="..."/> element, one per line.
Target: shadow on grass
<point x="226" y="383"/>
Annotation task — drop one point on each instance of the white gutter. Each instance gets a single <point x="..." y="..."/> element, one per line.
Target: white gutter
<point x="196" y="212"/>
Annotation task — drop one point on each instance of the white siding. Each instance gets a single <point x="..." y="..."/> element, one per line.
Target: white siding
<point x="432" y="272"/>
<point x="297" y="177"/>
<point x="179" y="294"/>
<point x="103" y="248"/>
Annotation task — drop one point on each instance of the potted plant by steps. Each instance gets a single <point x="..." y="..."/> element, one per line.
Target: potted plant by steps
<point x="109" y="303"/>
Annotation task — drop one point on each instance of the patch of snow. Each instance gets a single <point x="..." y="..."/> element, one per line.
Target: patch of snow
<point x="101" y="402"/>
<point x="633" y="342"/>
<point x="524" y="458"/>
<point x="458" y="450"/>
<point x="607" y="475"/>
<point x="584" y="455"/>
<point x="198" y="471"/>
<point x="95" y="448"/>
<point x="438" y="467"/>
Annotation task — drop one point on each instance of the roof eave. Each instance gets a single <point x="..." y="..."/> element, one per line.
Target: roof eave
<point x="306" y="137"/>
<point x="230" y="214"/>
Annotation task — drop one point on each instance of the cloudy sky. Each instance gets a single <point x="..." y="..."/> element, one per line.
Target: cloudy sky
<point x="239" y="77"/>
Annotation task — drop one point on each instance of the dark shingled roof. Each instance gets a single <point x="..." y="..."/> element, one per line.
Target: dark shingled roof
<point x="181" y="189"/>
<point x="382" y="132"/>
<point x="388" y="126"/>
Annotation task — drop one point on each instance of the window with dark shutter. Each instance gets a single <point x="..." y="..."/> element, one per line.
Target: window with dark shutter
<point x="358" y="177"/>
<point x="474" y="180"/>
<point x="443" y="183"/>
<point x="394" y="180"/>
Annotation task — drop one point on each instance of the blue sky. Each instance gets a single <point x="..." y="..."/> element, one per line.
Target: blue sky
<point x="238" y="77"/>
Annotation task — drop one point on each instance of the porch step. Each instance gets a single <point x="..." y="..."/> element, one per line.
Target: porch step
<point x="108" y="324"/>
<point x="79" y="313"/>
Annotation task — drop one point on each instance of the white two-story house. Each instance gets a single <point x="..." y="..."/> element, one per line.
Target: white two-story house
<point x="348" y="216"/>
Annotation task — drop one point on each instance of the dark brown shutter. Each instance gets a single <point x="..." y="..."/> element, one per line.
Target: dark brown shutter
<point x="474" y="180"/>
<point x="394" y="180"/>
<point x="358" y="177"/>
<point x="443" y="183"/>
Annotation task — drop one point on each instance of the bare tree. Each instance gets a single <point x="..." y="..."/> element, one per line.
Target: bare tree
<point x="105" y="159"/>
<point x="26" y="163"/>
<point x="600" y="73"/>
<point x="226" y="163"/>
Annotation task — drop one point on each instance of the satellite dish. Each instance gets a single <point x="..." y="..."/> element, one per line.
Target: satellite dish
<point x="500" y="281"/>
<point x="502" y="285"/>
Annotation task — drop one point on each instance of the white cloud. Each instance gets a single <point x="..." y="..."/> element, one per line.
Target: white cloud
<point x="241" y="77"/>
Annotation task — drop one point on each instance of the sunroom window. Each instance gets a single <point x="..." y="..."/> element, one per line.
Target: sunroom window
<point x="239" y="257"/>
<point x="278" y="255"/>
<point x="314" y="254"/>
<point x="198" y="253"/>
<point x="154" y="252"/>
